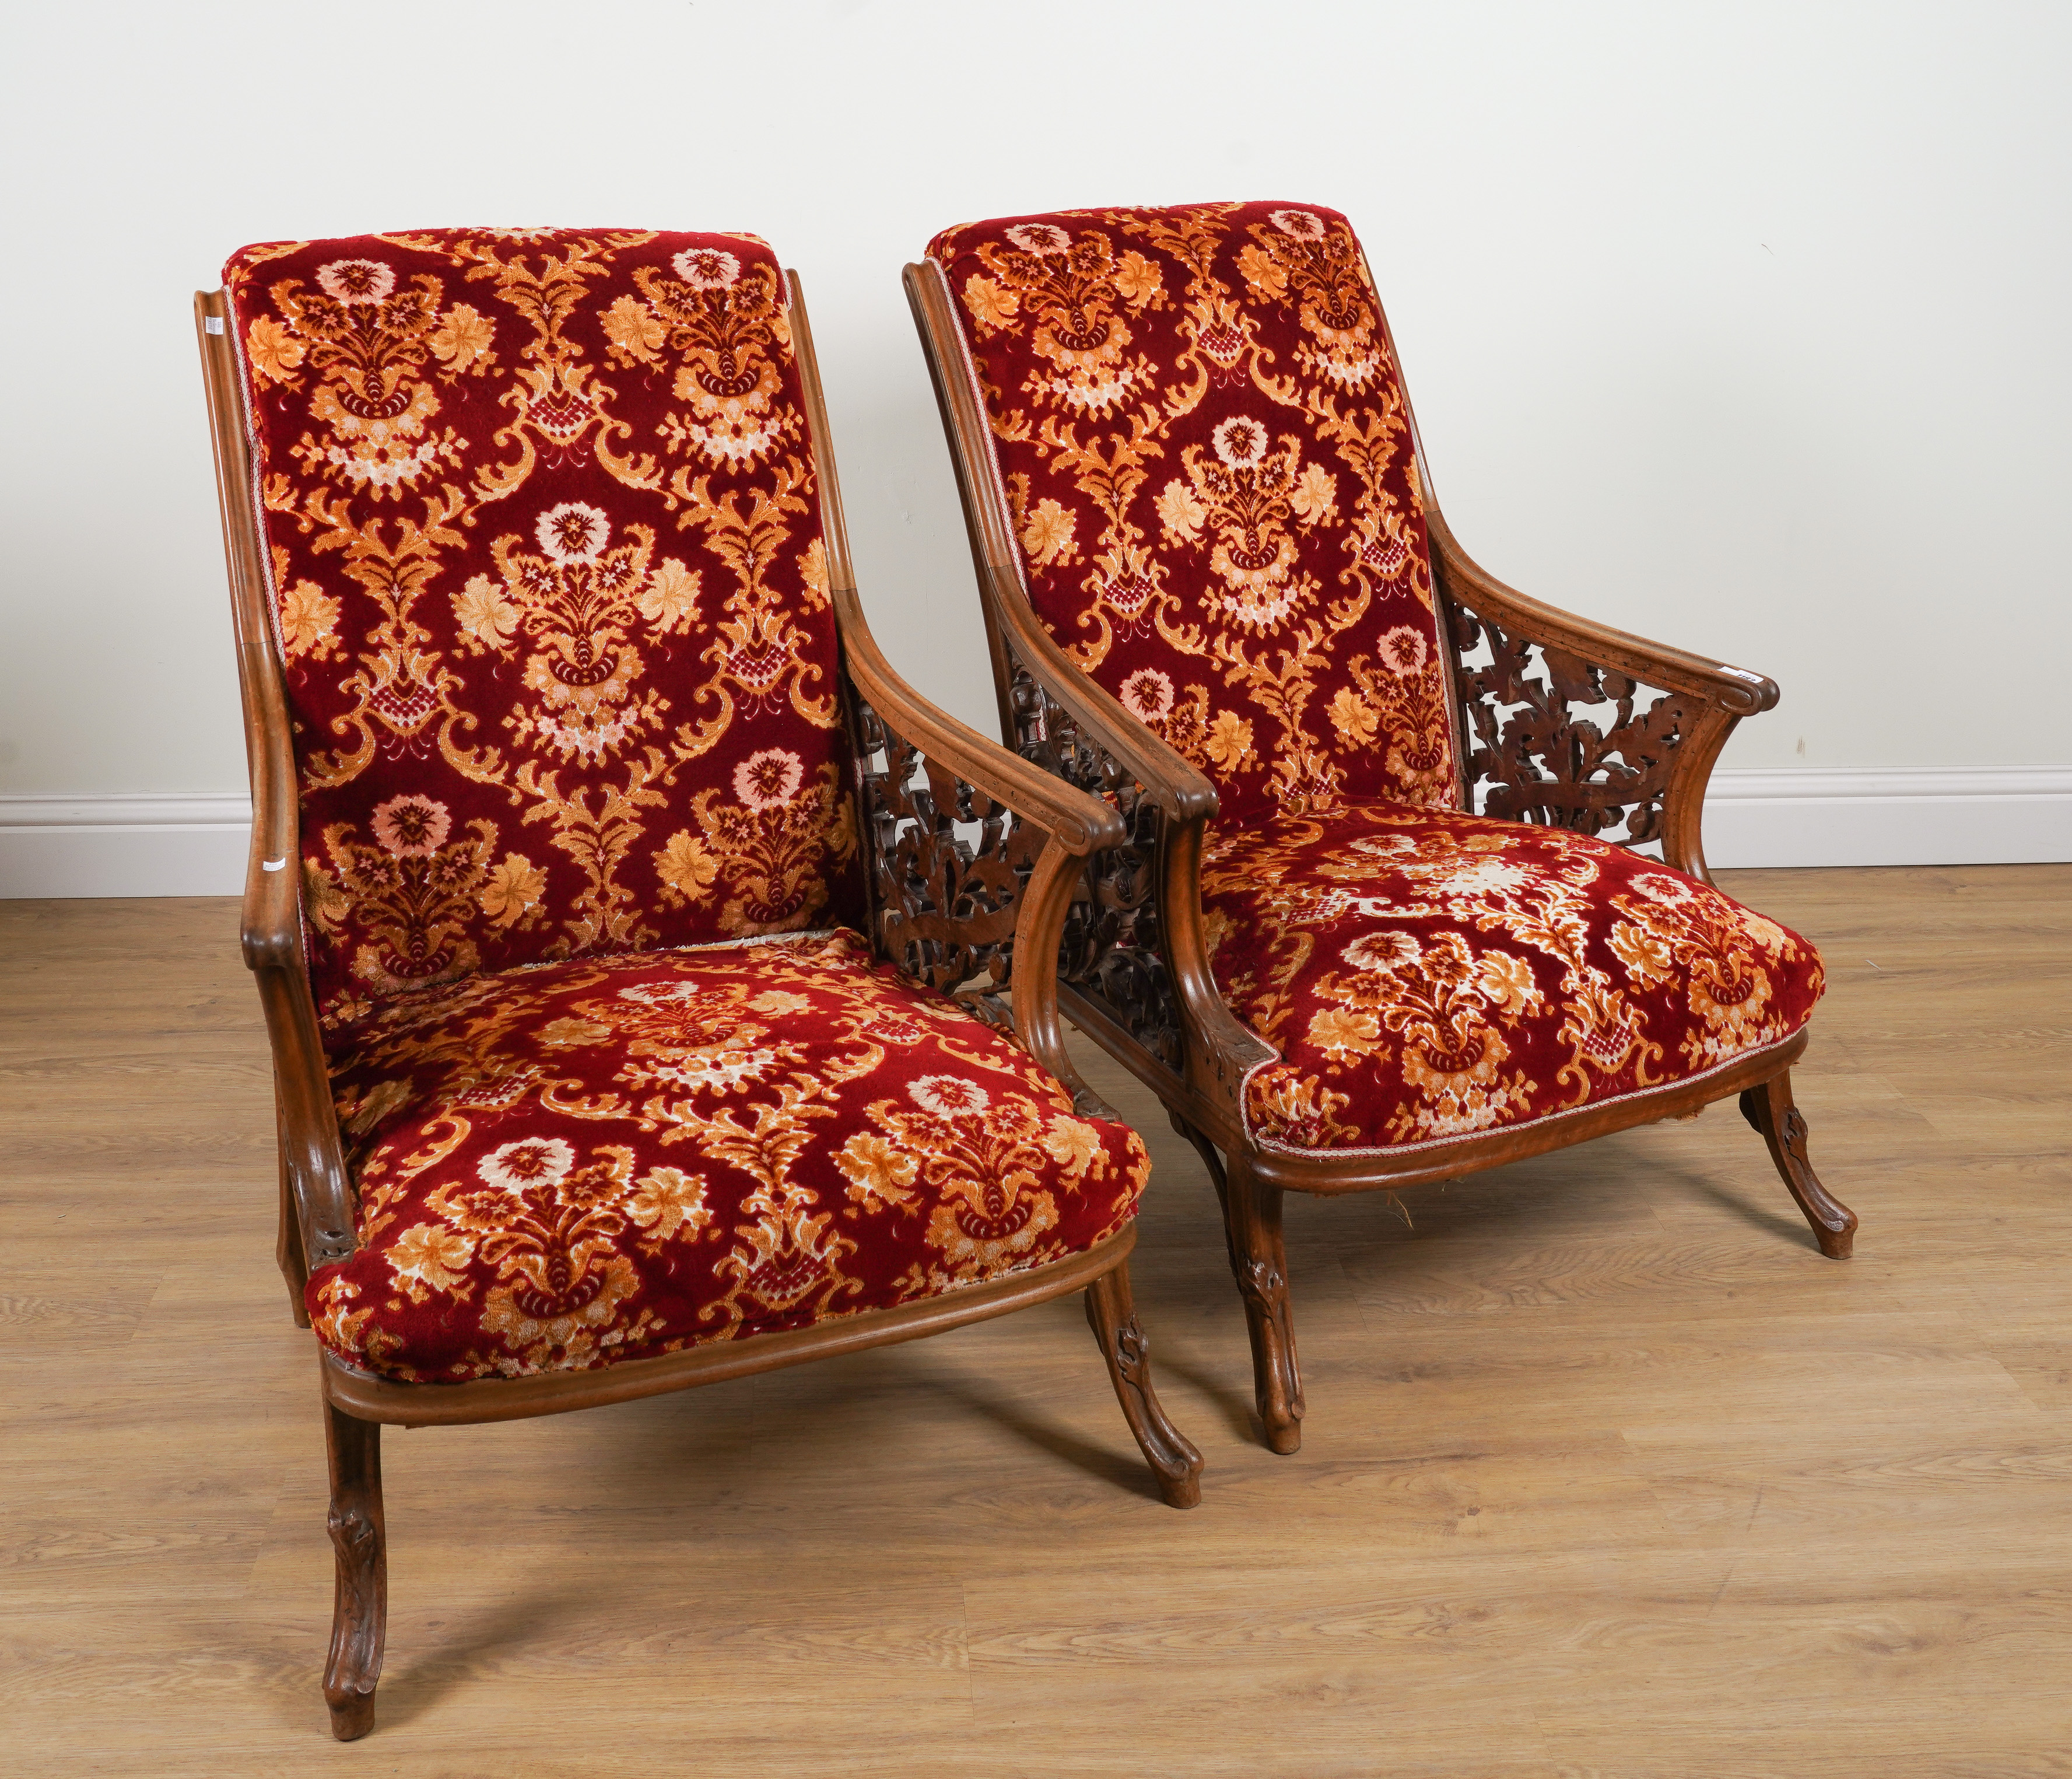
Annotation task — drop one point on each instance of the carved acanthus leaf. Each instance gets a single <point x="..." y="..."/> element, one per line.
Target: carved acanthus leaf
<point x="1533" y="755"/>
<point x="949" y="866"/>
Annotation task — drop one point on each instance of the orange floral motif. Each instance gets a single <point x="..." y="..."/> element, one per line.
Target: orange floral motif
<point x="1197" y="423"/>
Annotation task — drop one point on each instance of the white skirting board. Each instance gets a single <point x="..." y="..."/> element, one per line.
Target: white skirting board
<point x="124" y="846"/>
<point x="1876" y="815"/>
<point x="1957" y="815"/>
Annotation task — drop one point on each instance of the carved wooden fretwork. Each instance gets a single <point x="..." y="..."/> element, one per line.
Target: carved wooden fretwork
<point x="946" y="904"/>
<point x="1533" y="755"/>
<point x="1111" y="952"/>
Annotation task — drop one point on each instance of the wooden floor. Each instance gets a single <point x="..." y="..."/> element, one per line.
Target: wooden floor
<point x="1606" y="1470"/>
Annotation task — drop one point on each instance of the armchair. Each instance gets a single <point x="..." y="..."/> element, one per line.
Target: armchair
<point x="607" y="888"/>
<point x="1379" y="919"/>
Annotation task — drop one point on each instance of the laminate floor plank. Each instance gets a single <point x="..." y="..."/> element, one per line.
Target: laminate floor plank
<point x="1606" y="1470"/>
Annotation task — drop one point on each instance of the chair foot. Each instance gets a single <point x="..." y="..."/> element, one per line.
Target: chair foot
<point x="359" y="1612"/>
<point x="1259" y="1262"/>
<point x="1172" y="1458"/>
<point x="1769" y="1111"/>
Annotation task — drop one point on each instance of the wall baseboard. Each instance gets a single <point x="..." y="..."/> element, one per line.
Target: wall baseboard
<point x="124" y="846"/>
<point x="1958" y="815"/>
<point x="1878" y="815"/>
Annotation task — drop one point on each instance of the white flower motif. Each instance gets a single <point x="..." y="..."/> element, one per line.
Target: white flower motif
<point x="1043" y="238"/>
<point x="657" y="993"/>
<point x="1669" y="892"/>
<point x="573" y="533"/>
<point x="1147" y="694"/>
<point x="1487" y="877"/>
<point x="1300" y="223"/>
<point x="707" y="268"/>
<point x="412" y="827"/>
<point x="357" y="280"/>
<point x="769" y="780"/>
<point x="1240" y="442"/>
<point x="1382" y="951"/>
<point x="715" y="1068"/>
<point x="948" y="1097"/>
<point x="529" y="1161"/>
<point x="1403" y="650"/>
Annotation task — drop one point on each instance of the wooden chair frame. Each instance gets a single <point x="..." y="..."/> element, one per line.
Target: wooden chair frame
<point x="947" y="912"/>
<point x="1136" y="976"/>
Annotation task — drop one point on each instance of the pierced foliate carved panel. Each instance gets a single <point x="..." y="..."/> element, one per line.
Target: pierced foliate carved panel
<point x="1550" y="738"/>
<point x="1112" y="952"/>
<point x="948" y="865"/>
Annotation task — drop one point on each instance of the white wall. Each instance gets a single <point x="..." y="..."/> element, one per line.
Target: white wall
<point x="1742" y="325"/>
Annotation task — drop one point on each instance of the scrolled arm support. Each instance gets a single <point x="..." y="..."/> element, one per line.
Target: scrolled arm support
<point x="948" y="906"/>
<point x="974" y="855"/>
<point x="1112" y="952"/>
<point x="1529" y="752"/>
<point x="1135" y="956"/>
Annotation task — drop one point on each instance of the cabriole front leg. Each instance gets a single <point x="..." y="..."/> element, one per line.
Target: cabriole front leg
<point x="1259" y="1262"/>
<point x="359" y="1612"/>
<point x="1172" y="1458"/>
<point x="1769" y="1110"/>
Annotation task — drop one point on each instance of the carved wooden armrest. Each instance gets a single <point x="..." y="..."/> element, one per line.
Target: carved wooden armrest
<point x="311" y="1149"/>
<point x="1135" y="957"/>
<point x="975" y="855"/>
<point x="1533" y="751"/>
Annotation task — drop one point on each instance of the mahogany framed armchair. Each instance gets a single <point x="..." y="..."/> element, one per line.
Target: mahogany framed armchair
<point x="607" y="886"/>
<point x="1380" y="919"/>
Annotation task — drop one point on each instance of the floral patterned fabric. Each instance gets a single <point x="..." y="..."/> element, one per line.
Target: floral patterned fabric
<point x="1198" y="428"/>
<point x="607" y="1158"/>
<point x="1426" y="975"/>
<point x="545" y="550"/>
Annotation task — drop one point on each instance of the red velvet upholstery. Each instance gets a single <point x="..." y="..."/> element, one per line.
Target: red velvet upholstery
<point x="1198" y="428"/>
<point x="1426" y="975"/>
<point x="607" y="1158"/>
<point x="545" y="553"/>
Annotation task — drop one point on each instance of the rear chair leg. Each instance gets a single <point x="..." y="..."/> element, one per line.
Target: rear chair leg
<point x="1112" y="1317"/>
<point x="359" y="1612"/>
<point x="1769" y="1109"/>
<point x="1251" y="1223"/>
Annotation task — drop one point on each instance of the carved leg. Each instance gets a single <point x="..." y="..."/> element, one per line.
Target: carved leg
<point x="1252" y="1222"/>
<point x="1112" y="1317"/>
<point x="1770" y="1110"/>
<point x="359" y="1614"/>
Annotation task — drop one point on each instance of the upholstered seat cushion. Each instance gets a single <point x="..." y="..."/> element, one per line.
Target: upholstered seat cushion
<point x="1427" y="975"/>
<point x="578" y="1163"/>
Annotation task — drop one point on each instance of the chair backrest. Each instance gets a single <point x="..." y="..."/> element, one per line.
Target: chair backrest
<point x="544" y="542"/>
<point x="1199" y="432"/>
